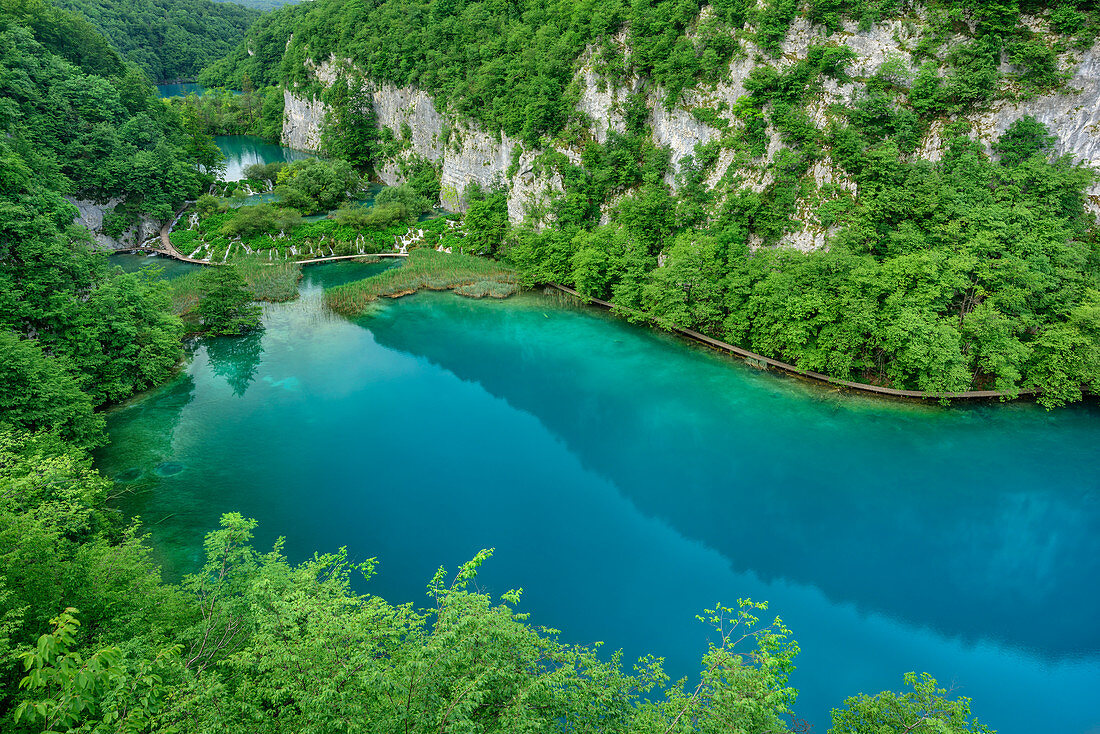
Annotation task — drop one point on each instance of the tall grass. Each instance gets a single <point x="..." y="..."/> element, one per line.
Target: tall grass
<point x="186" y="291"/>
<point x="274" y="281"/>
<point x="269" y="280"/>
<point x="467" y="275"/>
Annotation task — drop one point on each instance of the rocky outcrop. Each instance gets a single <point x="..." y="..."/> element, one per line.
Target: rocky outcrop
<point x="463" y="152"/>
<point x="90" y="214"/>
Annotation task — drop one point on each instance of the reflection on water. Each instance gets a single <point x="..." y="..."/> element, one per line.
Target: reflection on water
<point x="242" y="151"/>
<point x="235" y="359"/>
<point x="627" y="481"/>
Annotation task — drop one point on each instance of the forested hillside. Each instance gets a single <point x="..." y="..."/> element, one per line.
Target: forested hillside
<point x="855" y="188"/>
<point x="75" y="120"/>
<point x="168" y="39"/>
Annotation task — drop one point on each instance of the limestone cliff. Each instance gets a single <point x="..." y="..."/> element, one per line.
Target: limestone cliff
<point x="464" y="152"/>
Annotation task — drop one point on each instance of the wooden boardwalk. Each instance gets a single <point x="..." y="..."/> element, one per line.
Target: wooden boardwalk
<point x="791" y="369"/>
<point x="167" y="249"/>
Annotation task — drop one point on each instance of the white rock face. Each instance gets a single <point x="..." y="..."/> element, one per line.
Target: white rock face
<point x="1072" y="115"/>
<point x="464" y="152"/>
<point x="302" y="120"/>
<point x="678" y="131"/>
<point x="90" y="214"/>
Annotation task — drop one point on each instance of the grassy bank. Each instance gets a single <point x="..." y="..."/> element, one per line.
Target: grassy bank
<point x="274" y="281"/>
<point x="467" y="275"/>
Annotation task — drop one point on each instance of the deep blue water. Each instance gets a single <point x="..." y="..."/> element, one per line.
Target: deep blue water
<point x="628" y="480"/>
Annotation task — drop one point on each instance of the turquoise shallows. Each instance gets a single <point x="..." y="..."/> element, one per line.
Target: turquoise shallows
<point x="628" y="480"/>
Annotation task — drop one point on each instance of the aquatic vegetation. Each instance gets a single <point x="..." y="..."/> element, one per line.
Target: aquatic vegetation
<point x="265" y="280"/>
<point x="467" y="275"/>
<point x="270" y="280"/>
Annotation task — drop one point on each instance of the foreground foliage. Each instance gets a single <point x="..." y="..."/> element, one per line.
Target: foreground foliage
<point x="93" y="640"/>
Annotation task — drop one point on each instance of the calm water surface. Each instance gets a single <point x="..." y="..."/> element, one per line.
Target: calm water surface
<point x="627" y="481"/>
<point x="241" y="151"/>
<point x="179" y="90"/>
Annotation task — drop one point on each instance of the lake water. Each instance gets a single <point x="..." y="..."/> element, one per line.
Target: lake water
<point x="241" y="151"/>
<point x="179" y="90"/>
<point x="628" y="480"/>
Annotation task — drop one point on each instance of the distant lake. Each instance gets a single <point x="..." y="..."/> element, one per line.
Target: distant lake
<point x="628" y="480"/>
<point x="179" y="90"/>
<point x="241" y="151"/>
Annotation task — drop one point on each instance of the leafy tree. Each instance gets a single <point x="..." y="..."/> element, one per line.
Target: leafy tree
<point x="1025" y="138"/>
<point x="38" y="392"/>
<point x="486" y="223"/>
<point x="923" y="710"/>
<point x="312" y="184"/>
<point x="226" y="306"/>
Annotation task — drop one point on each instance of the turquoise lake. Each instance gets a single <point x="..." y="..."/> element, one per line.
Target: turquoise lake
<point x="180" y="89"/>
<point x="628" y="480"/>
<point x="241" y="151"/>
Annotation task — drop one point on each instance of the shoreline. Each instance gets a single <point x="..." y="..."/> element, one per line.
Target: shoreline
<point x="794" y="371"/>
<point x="752" y="357"/>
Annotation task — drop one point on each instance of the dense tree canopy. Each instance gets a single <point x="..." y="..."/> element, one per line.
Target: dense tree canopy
<point x="168" y="39"/>
<point x="79" y="333"/>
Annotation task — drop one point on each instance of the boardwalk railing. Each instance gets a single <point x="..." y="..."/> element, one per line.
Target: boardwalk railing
<point x="791" y="369"/>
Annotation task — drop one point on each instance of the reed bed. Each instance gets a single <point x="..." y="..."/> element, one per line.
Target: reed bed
<point x="186" y="291"/>
<point x="467" y="275"/>
<point x="270" y="280"/>
<point x="274" y="281"/>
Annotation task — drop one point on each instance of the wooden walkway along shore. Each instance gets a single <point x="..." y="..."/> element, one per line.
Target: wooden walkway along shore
<point x="791" y="369"/>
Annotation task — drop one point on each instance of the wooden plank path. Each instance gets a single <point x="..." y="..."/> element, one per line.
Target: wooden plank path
<point x="791" y="369"/>
<point x="168" y="249"/>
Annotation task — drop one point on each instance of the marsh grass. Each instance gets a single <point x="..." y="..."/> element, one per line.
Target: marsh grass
<point x="467" y="275"/>
<point x="186" y="291"/>
<point x="274" y="281"/>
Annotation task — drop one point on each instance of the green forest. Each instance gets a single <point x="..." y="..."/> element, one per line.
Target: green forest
<point x="168" y="39"/>
<point x="979" y="270"/>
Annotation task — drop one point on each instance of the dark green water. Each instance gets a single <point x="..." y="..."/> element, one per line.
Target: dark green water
<point x="628" y="480"/>
<point x="241" y="151"/>
<point x="179" y="90"/>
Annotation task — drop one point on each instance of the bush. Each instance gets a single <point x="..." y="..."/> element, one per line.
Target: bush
<point x="226" y="306"/>
<point x="378" y="216"/>
<point x="264" y="171"/>
<point x="251" y="220"/>
<point x="1027" y="137"/>
<point x="315" y="185"/>
<point x="413" y="201"/>
<point x="207" y="205"/>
